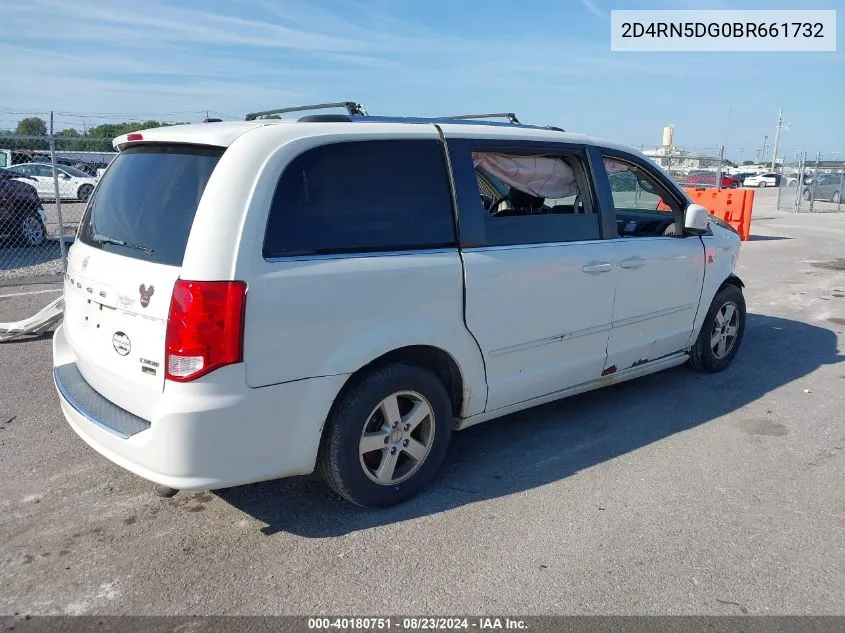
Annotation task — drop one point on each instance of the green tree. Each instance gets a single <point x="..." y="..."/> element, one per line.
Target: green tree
<point x="99" y="138"/>
<point x="748" y="162"/>
<point x="32" y="126"/>
<point x="69" y="133"/>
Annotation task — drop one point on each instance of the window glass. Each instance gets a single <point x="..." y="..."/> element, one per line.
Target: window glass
<point x="632" y="187"/>
<point x="148" y="199"/>
<point x="534" y="198"/>
<point x="42" y="170"/>
<point x="642" y="205"/>
<point x="516" y="185"/>
<point x="362" y="196"/>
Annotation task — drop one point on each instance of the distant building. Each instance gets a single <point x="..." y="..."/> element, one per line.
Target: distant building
<point x="674" y="158"/>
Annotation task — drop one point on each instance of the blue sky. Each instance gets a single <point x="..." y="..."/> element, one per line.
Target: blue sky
<point x="547" y="60"/>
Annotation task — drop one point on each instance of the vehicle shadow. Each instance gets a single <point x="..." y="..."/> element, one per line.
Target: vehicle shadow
<point x="766" y="238"/>
<point x="546" y="444"/>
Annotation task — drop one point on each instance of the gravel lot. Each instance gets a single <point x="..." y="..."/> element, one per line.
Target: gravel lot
<point x="677" y="493"/>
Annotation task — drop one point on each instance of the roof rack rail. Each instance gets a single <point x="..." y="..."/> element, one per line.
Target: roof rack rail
<point x="510" y="116"/>
<point x="353" y="108"/>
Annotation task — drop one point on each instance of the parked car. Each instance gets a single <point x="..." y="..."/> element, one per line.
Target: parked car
<point x="762" y="180"/>
<point x="741" y="176"/>
<point x="73" y="183"/>
<point x="22" y="216"/>
<point x="341" y="293"/>
<point x="828" y="187"/>
<point x="709" y="179"/>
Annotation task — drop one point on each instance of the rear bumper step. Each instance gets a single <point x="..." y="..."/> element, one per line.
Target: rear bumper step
<point x="94" y="407"/>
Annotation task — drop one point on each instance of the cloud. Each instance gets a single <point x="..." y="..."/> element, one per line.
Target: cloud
<point x="593" y="8"/>
<point x="121" y="58"/>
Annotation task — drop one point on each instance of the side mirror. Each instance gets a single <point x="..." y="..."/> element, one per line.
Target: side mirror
<point x="696" y="218"/>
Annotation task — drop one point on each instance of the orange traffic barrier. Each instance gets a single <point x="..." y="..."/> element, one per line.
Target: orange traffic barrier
<point x="731" y="205"/>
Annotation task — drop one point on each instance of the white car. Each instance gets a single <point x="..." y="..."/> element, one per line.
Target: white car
<point x="253" y="300"/>
<point x="74" y="184"/>
<point x="762" y="180"/>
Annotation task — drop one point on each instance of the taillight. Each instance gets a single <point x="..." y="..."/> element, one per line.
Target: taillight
<point x="134" y="136"/>
<point x="204" y="328"/>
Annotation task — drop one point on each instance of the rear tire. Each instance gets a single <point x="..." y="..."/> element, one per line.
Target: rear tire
<point x="836" y="197"/>
<point x="762" y="183"/>
<point x="30" y="231"/>
<point x="387" y="436"/>
<point x="807" y="195"/>
<point x="721" y="333"/>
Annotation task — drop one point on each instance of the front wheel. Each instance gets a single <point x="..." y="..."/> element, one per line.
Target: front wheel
<point x="721" y="333"/>
<point x="386" y="438"/>
<point x="836" y="197"/>
<point x="84" y="192"/>
<point x="762" y="183"/>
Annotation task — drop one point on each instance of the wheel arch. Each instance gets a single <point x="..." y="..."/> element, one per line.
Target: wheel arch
<point x="732" y="280"/>
<point x="435" y="359"/>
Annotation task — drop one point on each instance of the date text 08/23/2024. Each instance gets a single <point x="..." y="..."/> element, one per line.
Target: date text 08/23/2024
<point x="415" y="623"/>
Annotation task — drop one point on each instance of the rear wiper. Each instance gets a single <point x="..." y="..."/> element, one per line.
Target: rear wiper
<point x="104" y="239"/>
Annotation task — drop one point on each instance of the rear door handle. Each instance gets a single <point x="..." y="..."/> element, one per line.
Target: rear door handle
<point x="597" y="267"/>
<point x="633" y="262"/>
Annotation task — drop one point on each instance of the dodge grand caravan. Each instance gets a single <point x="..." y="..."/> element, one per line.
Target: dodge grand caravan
<point x="253" y="300"/>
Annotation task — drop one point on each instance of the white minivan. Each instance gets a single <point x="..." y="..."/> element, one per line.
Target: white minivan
<point x="253" y="300"/>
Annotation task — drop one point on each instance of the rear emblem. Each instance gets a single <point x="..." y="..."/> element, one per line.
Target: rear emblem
<point x="85" y="262"/>
<point x="146" y="293"/>
<point x="121" y="343"/>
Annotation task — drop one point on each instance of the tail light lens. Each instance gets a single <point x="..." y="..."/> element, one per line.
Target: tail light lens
<point x="204" y="328"/>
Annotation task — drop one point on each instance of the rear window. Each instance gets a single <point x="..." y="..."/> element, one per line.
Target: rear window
<point x="147" y="200"/>
<point x="362" y="196"/>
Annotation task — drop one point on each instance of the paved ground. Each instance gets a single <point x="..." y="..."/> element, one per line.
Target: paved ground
<point x="22" y="264"/>
<point x="677" y="493"/>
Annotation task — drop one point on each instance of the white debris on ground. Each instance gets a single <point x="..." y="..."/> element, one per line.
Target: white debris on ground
<point x="35" y="325"/>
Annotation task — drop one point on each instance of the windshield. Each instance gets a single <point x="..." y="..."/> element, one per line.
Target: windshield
<point x="144" y="206"/>
<point x="73" y="171"/>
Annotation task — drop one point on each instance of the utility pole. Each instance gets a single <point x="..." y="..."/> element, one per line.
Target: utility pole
<point x="765" y="146"/>
<point x="777" y="138"/>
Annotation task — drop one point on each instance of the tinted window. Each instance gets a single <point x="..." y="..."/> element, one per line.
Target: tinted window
<point x="362" y="196"/>
<point x="149" y="198"/>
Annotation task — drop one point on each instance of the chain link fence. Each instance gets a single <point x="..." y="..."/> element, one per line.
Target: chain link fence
<point x="703" y="167"/>
<point x="45" y="183"/>
<point x="811" y="184"/>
